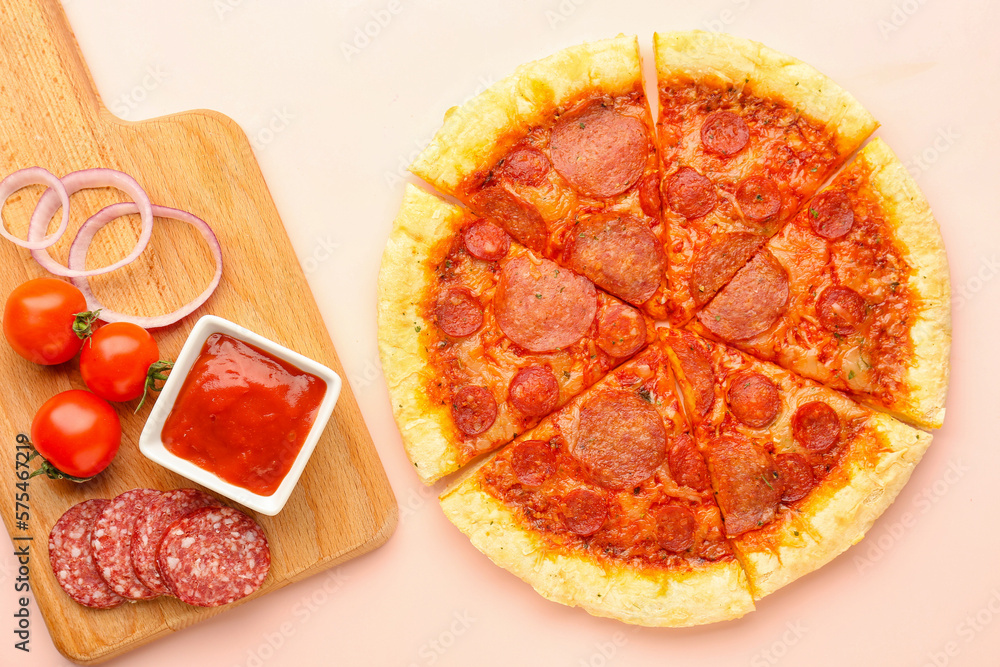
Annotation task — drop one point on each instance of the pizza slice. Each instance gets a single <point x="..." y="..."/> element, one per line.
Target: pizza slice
<point x="800" y="471"/>
<point x="480" y="338"/>
<point x="561" y="154"/>
<point x="606" y="504"/>
<point x="853" y="292"/>
<point x="746" y="136"/>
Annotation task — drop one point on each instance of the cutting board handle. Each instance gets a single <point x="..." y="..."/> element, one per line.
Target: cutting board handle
<point x="39" y="49"/>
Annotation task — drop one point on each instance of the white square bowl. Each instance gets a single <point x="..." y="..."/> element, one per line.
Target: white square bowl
<point x="151" y="443"/>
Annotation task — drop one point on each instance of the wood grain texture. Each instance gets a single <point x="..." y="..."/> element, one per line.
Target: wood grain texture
<point x="200" y="161"/>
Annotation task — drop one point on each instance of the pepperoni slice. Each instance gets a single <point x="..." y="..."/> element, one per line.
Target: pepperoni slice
<point x="687" y="467"/>
<point x="724" y="133"/>
<point x="719" y="260"/>
<point x="72" y="556"/>
<point x="831" y="215"/>
<point x="598" y="150"/>
<point x="691" y="194"/>
<point x="621" y="329"/>
<point x="747" y="481"/>
<point x="619" y="253"/>
<point x="486" y="241"/>
<point x="519" y="218"/>
<point x="675" y="529"/>
<point x="796" y="476"/>
<point x="458" y="313"/>
<point x="542" y="307"/>
<point x="474" y="409"/>
<point x="695" y="367"/>
<point x="649" y="195"/>
<point x="816" y="426"/>
<point x="753" y="399"/>
<point x="758" y="197"/>
<point x="841" y="309"/>
<point x="111" y="541"/>
<point x="533" y="462"/>
<point x="527" y="165"/>
<point x="534" y="391"/>
<point x="585" y="511"/>
<point x="755" y="298"/>
<point x="621" y="440"/>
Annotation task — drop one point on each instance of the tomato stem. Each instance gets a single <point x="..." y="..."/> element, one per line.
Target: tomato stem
<point x="49" y="470"/>
<point x="83" y="323"/>
<point x="157" y="371"/>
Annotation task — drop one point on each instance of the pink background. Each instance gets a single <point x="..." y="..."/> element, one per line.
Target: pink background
<point x="333" y="129"/>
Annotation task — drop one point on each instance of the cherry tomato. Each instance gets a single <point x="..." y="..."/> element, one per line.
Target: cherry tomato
<point x="115" y="361"/>
<point x="38" y="320"/>
<point x="77" y="432"/>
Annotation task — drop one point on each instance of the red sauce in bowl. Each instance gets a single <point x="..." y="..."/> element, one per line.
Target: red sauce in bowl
<point x="242" y="414"/>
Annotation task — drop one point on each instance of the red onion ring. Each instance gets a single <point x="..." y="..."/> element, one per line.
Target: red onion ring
<point x="73" y="183"/>
<point x="35" y="176"/>
<point x="78" y="259"/>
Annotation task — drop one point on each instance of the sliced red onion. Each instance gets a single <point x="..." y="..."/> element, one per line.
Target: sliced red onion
<point x="78" y="259"/>
<point x="82" y="180"/>
<point x="36" y="176"/>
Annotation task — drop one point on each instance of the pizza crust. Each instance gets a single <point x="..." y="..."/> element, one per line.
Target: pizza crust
<point x="724" y="60"/>
<point x="657" y="598"/>
<point x="481" y="131"/>
<point x="839" y="512"/>
<point x="916" y="229"/>
<point x="426" y="428"/>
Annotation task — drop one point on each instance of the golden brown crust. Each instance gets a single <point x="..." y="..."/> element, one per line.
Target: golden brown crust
<point x="724" y="60"/>
<point x="917" y="231"/>
<point x="478" y="133"/>
<point x="426" y="428"/>
<point x="714" y="592"/>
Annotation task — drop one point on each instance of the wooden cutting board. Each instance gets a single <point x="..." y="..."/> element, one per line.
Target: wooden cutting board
<point x="200" y="161"/>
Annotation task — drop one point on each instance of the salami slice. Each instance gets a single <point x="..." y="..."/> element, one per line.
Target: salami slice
<point x="759" y="198"/>
<point x="747" y="482"/>
<point x="621" y="439"/>
<point x="214" y="556"/>
<point x="519" y="218"/>
<point x="486" y="241"/>
<point x="532" y="461"/>
<point x="153" y="523"/>
<point x="796" y="476"/>
<point x="696" y="367"/>
<point x="690" y="193"/>
<point x="719" y="260"/>
<point x="72" y="556"/>
<point x="675" y="529"/>
<point x="474" y="409"/>
<point x="112" y="543"/>
<point x="527" y="165"/>
<point x="542" y="307"/>
<point x="831" y="215"/>
<point x="619" y="253"/>
<point x="753" y="301"/>
<point x="585" y="511"/>
<point x="458" y="313"/>
<point x="753" y="399"/>
<point x="534" y="390"/>
<point x="649" y="195"/>
<point x="841" y="309"/>
<point x="724" y="133"/>
<point x="598" y="150"/>
<point x="687" y="467"/>
<point x="816" y="426"/>
<point x="621" y="329"/>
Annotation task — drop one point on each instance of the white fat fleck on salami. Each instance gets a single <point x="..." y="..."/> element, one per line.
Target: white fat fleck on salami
<point x="72" y="558"/>
<point x="214" y="556"/>
<point x="113" y="553"/>
<point x="153" y="523"/>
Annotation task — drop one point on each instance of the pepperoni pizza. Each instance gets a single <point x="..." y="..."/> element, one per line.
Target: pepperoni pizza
<point x="520" y="328"/>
